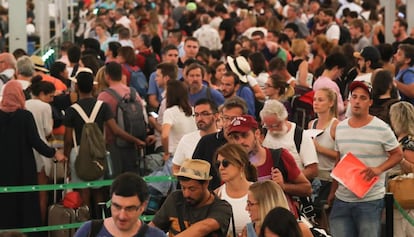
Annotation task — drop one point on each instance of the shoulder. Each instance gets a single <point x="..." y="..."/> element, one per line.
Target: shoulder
<point x="154" y="232"/>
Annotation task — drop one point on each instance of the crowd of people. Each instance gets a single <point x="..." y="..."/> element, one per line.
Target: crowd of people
<point x="249" y="104"/>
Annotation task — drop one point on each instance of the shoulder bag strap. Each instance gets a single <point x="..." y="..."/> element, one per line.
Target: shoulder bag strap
<point x="298" y="137"/>
<point x="180" y="217"/>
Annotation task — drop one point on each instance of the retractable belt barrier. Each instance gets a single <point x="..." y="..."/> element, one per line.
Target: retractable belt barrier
<point x="48" y="187"/>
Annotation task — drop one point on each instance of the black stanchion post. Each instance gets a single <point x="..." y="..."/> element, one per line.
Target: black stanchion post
<point x="389" y="215"/>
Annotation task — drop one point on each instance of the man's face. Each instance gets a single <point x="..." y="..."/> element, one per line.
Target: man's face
<point x="171" y="56"/>
<point x="191" y="48"/>
<point x="399" y="58"/>
<point x="193" y="191"/>
<point x="362" y="65"/>
<point x="248" y="140"/>
<point x="160" y="79"/>
<point x="228" y="87"/>
<point x="275" y="126"/>
<point x="290" y="33"/>
<point x="171" y="39"/>
<point x="195" y="79"/>
<point x="137" y="42"/>
<point x="228" y="115"/>
<point x="204" y="117"/>
<point x="324" y="18"/>
<point x="126" y="211"/>
<point x="354" y="31"/>
<point x="260" y="41"/>
<point x="360" y="102"/>
<point x="396" y="30"/>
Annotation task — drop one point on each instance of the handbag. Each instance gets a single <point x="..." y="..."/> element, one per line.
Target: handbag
<point x="401" y="186"/>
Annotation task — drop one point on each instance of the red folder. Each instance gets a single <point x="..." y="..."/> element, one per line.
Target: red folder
<point x="348" y="173"/>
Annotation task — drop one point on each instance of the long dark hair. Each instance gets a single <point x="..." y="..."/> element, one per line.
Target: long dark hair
<point x="286" y="226"/>
<point x="177" y="94"/>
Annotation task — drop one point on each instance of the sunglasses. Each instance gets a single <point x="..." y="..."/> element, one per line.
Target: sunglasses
<point x="225" y="163"/>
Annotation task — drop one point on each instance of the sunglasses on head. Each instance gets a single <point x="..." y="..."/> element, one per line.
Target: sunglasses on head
<point x="225" y="163"/>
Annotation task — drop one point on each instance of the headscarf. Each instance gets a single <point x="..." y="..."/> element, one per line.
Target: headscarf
<point x="13" y="97"/>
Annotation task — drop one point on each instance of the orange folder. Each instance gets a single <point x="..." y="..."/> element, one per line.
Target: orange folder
<point x="348" y="173"/>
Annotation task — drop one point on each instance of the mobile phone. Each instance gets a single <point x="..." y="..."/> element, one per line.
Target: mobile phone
<point x="153" y="114"/>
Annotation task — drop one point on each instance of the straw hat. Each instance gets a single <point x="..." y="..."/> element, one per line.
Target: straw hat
<point x="38" y="63"/>
<point x="240" y="66"/>
<point x="195" y="169"/>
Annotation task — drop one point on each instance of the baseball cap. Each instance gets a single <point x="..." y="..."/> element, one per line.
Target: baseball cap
<point x="243" y="124"/>
<point x="369" y="53"/>
<point x="362" y="84"/>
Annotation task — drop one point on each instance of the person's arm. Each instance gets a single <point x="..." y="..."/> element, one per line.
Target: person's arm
<point x="154" y="123"/>
<point x="334" y="186"/>
<point x="330" y="153"/>
<point x="119" y="132"/>
<point x="406" y="89"/>
<point x="395" y="156"/>
<point x="311" y="171"/>
<point x="298" y="187"/>
<point x="258" y="93"/>
<point x="201" y="228"/>
<point x="166" y="128"/>
<point x="303" y="74"/>
<point x="407" y="163"/>
<point x="68" y="141"/>
<point x="222" y="33"/>
<point x="153" y="101"/>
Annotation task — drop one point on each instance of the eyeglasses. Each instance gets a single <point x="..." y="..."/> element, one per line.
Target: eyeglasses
<point x="273" y="126"/>
<point x="225" y="163"/>
<point x="202" y="114"/>
<point x="226" y="118"/>
<point x="128" y="209"/>
<point x="250" y="204"/>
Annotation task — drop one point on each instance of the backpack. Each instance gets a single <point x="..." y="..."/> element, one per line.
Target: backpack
<point x="129" y="116"/>
<point x="96" y="226"/>
<point x="344" y="35"/>
<point x="4" y="78"/>
<point x="90" y="161"/>
<point x="138" y="81"/>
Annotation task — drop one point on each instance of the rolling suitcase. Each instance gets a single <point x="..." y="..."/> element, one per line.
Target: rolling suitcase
<point x="59" y="214"/>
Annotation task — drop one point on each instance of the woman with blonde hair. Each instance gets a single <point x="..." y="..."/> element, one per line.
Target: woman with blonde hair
<point x="299" y="65"/>
<point x="262" y="197"/>
<point x="325" y="106"/>
<point x="402" y="117"/>
<point x="237" y="174"/>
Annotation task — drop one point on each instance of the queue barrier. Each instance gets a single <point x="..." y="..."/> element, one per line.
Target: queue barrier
<point x="49" y="187"/>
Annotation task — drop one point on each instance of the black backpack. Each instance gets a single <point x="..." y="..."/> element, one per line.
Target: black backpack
<point x="344" y="36"/>
<point x="129" y="116"/>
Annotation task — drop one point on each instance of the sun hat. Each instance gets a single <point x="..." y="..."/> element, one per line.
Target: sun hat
<point x="240" y="66"/>
<point x="39" y="64"/>
<point x="82" y="69"/>
<point x="195" y="169"/>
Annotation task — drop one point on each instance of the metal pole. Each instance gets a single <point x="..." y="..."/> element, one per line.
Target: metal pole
<point x="389" y="215"/>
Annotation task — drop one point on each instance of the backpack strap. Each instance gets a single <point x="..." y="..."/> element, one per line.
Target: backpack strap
<point x="314" y="124"/>
<point x="115" y="94"/>
<point x="277" y="161"/>
<point x="96" y="226"/>
<point x="298" y="137"/>
<point x="142" y="230"/>
<point x="85" y="118"/>
<point x="401" y="78"/>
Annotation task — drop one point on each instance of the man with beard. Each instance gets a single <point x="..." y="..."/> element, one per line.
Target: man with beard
<point x="206" y="116"/>
<point x="194" y="210"/>
<point x="399" y="30"/>
<point x="368" y="60"/>
<point x="281" y="133"/>
<point x="327" y="21"/>
<point x="194" y="80"/>
<point x="404" y="61"/>
<point x="244" y="130"/>
<point x="230" y="86"/>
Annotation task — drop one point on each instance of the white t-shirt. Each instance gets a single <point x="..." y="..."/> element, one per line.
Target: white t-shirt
<point x="180" y="125"/>
<point x="307" y="153"/>
<point x="333" y="32"/>
<point x="186" y="147"/>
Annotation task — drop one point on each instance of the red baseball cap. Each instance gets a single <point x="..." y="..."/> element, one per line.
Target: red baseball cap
<point x="243" y="123"/>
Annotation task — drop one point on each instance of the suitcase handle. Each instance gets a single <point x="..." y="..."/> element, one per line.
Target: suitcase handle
<point x="66" y="180"/>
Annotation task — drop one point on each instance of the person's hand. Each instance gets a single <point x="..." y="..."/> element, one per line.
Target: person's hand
<point x="139" y="143"/>
<point x="150" y="139"/>
<point x="330" y="199"/>
<point x="406" y="166"/>
<point x="370" y="172"/>
<point x="166" y="156"/>
<point x="59" y="156"/>
<point x="277" y="177"/>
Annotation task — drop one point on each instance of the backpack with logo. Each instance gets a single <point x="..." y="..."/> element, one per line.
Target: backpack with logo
<point x="129" y="116"/>
<point x="138" y="81"/>
<point x="90" y="161"/>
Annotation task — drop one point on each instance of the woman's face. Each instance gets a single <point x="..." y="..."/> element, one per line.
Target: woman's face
<point x="220" y="70"/>
<point x="321" y="102"/>
<point x="269" y="90"/>
<point x="47" y="98"/>
<point x="252" y="207"/>
<point x="228" y="171"/>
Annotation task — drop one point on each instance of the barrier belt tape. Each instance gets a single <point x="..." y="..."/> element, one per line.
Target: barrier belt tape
<point x="48" y="187"/>
<point x="404" y="213"/>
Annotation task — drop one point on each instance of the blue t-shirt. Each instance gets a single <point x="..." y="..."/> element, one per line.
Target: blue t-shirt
<point x="216" y="96"/>
<point x="247" y="95"/>
<point x="407" y="78"/>
<point x="84" y="230"/>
